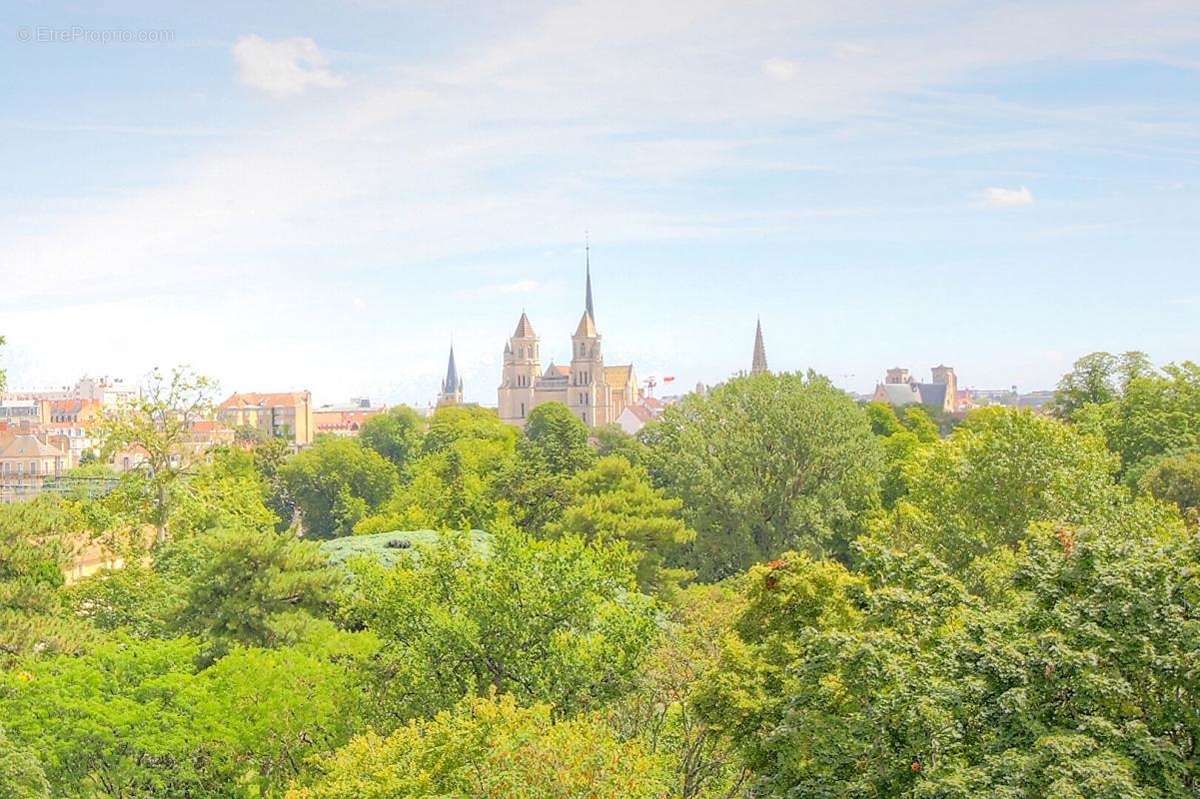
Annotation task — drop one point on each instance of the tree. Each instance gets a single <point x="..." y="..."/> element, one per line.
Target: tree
<point x="1098" y="378"/>
<point x="1158" y="414"/>
<point x="661" y="711"/>
<point x="556" y="439"/>
<point x="21" y="775"/>
<point x="159" y="423"/>
<point x="615" y="501"/>
<point x="335" y="483"/>
<point x="137" y="719"/>
<point x="225" y="491"/>
<point x="454" y="422"/>
<point x="893" y="681"/>
<point x="1175" y="479"/>
<point x="548" y="621"/>
<point x="612" y="440"/>
<point x="254" y="587"/>
<point x="36" y="540"/>
<point x="396" y="435"/>
<point x="491" y="748"/>
<point x="765" y="463"/>
<point x="1000" y="471"/>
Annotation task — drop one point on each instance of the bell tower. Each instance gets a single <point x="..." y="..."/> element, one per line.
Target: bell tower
<point x="587" y="392"/>
<point x="521" y="368"/>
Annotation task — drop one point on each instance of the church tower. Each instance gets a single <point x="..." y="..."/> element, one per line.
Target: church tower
<point x="521" y="369"/>
<point x="758" y="363"/>
<point x="587" y="391"/>
<point x="452" y="386"/>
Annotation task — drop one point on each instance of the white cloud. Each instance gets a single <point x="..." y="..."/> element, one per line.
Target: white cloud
<point x="998" y="197"/>
<point x="780" y="68"/>
<point x="285" y="67"/>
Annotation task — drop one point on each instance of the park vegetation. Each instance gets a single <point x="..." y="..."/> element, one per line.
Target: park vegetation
<point x="772" y="591"/>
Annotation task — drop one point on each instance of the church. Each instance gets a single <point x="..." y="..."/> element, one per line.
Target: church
<point x="594" y="392"/>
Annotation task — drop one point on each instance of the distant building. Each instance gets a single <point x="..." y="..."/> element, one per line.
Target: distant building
<point x="636" y="416"/>
<point x="452" y="385"/>
<point x="345" y="420"/>
<point x="900" y="389"/>
<point x="594" y="392"/>
<point x="26" y="462"/>
<point x="287" y="415"/>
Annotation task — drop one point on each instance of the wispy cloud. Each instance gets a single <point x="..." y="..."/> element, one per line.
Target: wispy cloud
<point x="282" y="68"/>
<point x="998" y="197"/>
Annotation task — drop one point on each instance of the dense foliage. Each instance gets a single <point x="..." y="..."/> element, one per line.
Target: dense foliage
<point x="772" y="591"/>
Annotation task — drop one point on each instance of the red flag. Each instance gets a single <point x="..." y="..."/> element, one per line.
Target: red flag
<point x="668" y="379"/>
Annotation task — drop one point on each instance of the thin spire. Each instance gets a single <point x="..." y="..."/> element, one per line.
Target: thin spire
<point x="452" y="383"/>
<point x="587" y="255"/>
<point x="758" y="364"/>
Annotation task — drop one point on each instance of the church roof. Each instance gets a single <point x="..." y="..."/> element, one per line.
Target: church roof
<point x="524" y="329"/>
<point x="758" y="364"/>
<point x="453" y="382"/>
<point x="618" y="376"/>
<point x="557" y="371"/>
<point x="932" y="394"/>
<point x="588" y="300"/>
<point x="587" y="326"/>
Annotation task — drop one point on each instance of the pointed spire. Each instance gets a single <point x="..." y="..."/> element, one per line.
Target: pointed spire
<point x="452" y="383"/>
<point x="587" y="255"/>
<point x="758" y="365"/>
<point x="524" y="328"/>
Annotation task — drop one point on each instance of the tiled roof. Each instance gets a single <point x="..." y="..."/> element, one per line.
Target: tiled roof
<point x="524" y="328"/>
<point x="618" y="376"/>
<point x="28" y="446"/>
<point x="587" y="326"/>
<point x="267" y="400"/>
<point x="641" y="412"/>
<point x="557" y="371"/>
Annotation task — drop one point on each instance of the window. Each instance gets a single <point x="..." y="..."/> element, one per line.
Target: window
<point x="522" y="410"/>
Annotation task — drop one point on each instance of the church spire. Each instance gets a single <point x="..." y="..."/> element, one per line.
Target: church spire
<point x="453" y="384"/>
<point x="587" y="255"/>
<point x="758" y="365"/>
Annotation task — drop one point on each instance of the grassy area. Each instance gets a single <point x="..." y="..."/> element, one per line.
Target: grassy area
<point x="388" y="548"/>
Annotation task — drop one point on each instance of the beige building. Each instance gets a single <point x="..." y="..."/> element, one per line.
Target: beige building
<point x="25" y="463"/>
<point x="595" y="392"/>
<point x="899" y="389"/>
<point x="287" y="415"/>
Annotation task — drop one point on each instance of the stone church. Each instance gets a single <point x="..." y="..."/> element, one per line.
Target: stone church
<point x="594" y="392"/>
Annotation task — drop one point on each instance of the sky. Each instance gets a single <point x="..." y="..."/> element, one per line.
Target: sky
<point x="326" y="196"/>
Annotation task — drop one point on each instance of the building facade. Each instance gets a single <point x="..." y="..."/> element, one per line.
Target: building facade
<point x="594" y="391"/>
<point x="899" y="388"/>
<point x="287" y="415"/>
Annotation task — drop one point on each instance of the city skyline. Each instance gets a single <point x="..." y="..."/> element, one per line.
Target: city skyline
<point x="283" y="200"/>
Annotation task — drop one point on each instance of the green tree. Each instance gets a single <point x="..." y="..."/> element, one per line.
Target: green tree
<point x="455" y="488"/>
<point x="612" y="440"/>
<point x="160" y="423"/>
<point x="254" y="587"/>
<point x="225" y="491"/>
<point x="454" y="422"/>
<point x="766" y="463"/>
<point x="491" y="748"/>
<point x="1158" y="414"/>
<point x="335" y="483"/>
<point x="21" y="774"/>
<point x="1175" y="479"/>
<point x="1001" y="470"/>
<point x="548" y="621"/>
<point x="615" y="501"/>
<point x="893" y="681"/>
<point x="557" y="439"/>
<point x="136" y="719"/>
<point x="396" y="435"/>
<point x="1098" y="378"/>
<point x="36" y="541"/>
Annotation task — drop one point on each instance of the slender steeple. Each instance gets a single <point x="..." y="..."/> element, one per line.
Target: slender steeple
<point x="452" y="386"/>
<point x="587" y="255"/>
<point x="758" y="365"/>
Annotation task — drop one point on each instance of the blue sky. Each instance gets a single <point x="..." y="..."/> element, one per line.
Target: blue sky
<point x="324" y="196"/>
